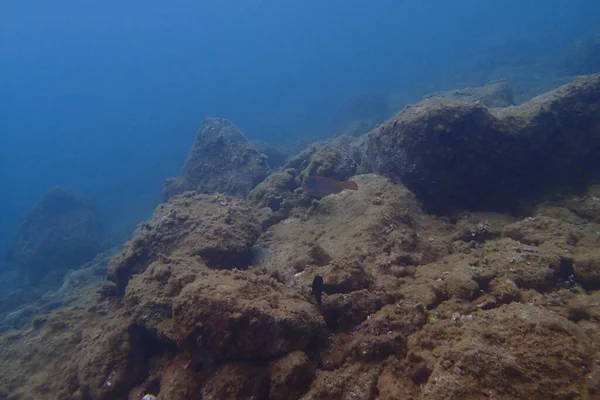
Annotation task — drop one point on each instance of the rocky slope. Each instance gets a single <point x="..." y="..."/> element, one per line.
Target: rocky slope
<point x="211" y="299"/>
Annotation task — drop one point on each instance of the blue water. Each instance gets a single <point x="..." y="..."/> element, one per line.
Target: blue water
<point x="105" y="97"/>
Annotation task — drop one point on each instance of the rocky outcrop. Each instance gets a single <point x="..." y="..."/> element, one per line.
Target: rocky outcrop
<point x="504" y="353"/>
<point x="219" y="229"/>
<point x="332" y="158"/>
<point x="281" y="191"/>
<point x="455" y="155"/>
<point x="229" y="316"/>
<point x="221" y="161"/>
<point x="61" y="232"/>
<point x="413" y="305"/>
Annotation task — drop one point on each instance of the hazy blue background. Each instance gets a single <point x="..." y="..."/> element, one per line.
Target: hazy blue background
<point x="105" y="96"/>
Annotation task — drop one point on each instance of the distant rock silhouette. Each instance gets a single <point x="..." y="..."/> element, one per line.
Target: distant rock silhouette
<point x="61" y="232"/>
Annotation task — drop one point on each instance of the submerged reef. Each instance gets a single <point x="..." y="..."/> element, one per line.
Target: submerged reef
<point x="212" y="298"/>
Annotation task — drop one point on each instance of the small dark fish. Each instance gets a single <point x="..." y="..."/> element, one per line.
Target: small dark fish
<point x="317" y="288"/>
<point x="322" y="186"/>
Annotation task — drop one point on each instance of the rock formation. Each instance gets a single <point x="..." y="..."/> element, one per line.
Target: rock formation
<point x="221" y="160"/>
<point x="208" y="303"/>
<point x="220" y="229"/>
<point x="457" y="155"/>
<point x="61" y="232"/>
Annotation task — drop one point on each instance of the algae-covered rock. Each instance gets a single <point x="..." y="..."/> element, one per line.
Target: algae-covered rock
<point x="290" y="376"/>
<point x="586" y="262"/>
<point x="454" y="154"/>
<point x="274" y="190"/>
<point x="333" y="158"/>
<point x="238" y="380"/>
<point x="233" y="315"/>
<point x="221" y="160"/>
<point x="505" y="352"/>
<point x="220" y="229"/>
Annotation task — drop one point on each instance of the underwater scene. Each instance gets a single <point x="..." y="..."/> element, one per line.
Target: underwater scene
<point x="300" y="200"/>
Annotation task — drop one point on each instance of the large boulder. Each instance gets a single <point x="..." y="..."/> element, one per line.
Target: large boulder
<point x="221" y="161"/>
<point x="234" y="315"/>
<point x="454" y="154"/>
<point x="61" y="232"/>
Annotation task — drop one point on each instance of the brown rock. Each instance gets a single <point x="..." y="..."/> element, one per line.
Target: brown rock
<point x="238" y="380"/>
<point x="149" y="295"/>
<point x="357" y="381"/>
<point x="180" y="383"/>
<point x="274" y="190"/>
<point x="234" y="315"/>
<point x="345" y="277"/>
<point x="480" y="226"/>
<point x="505" y="353"/>
<point x="540" y="230"/>
<point x="587" y="206"/>
<point x="220" y="229"/>
<point x="332" y="158"/>
<point x="344" y="311"/>
<point x="290" y="376"/>
<point x="395" y="381"/>
<point x="113" y="362"/>
<point x="586" y="266"/>
<point x="381" y="219"/>
<point x="527" y="266"/>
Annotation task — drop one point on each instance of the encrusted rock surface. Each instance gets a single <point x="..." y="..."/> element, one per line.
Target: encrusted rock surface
<point x="232" y="315"/>
<point x="290" y="375"/>
<point x="220" y="229"/>
<point x="332" y="158"/>
<point x="221" y="160"/>
<point x="535" y="354"/>
<point x="455" y="155"/>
